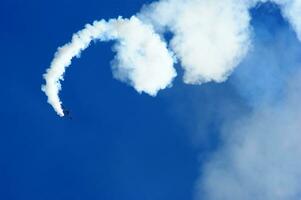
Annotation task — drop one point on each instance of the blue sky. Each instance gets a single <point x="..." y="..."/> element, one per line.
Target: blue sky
<point x="122" y="145"/>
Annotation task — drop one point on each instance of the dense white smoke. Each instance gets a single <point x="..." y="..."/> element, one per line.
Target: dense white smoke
<point x="142" y="59"/>
<point x="210" y="38"/>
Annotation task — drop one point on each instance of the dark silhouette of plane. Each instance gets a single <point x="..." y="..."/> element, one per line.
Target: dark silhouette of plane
<point x="66" y="113"/>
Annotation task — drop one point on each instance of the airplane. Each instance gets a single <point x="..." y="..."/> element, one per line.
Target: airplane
<point x="66" y="113"/>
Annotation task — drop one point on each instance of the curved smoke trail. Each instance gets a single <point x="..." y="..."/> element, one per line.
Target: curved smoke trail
<point x="142" y="59"/>
<point x="210" y="38"/>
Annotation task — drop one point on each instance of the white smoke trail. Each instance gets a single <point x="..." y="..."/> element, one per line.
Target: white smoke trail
<point x="62" y="59"/>
<point x="210" y="38"/>
<point x="142" y="57"/>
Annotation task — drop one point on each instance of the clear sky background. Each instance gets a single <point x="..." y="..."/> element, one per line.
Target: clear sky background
<point x="120" y="145"/>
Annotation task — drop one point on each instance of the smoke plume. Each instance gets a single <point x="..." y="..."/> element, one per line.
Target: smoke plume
<point x="142" y="59"/>
<point x="210" y="38"/>
<point x="258" y="156"/>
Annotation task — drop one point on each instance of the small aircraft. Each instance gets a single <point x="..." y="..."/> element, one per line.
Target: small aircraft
<point x="66" y="113"/>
